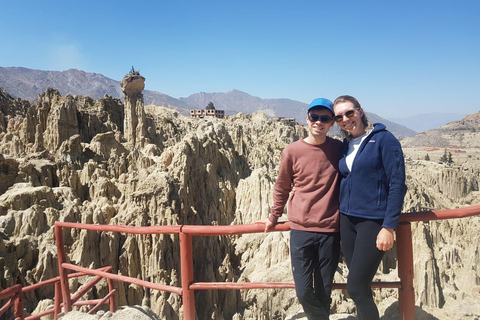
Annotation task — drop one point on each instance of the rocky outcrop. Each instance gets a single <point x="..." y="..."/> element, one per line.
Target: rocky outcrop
<point x="135" y="123"/>
<point x="447" y="251"/>
<point x="44" y="127"/>
<point x="68" y="159"/>
<point x="464" y="133"/>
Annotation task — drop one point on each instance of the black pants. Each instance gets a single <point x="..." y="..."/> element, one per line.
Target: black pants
<point x="359" y="237"/>
<point x="314" y="261"/>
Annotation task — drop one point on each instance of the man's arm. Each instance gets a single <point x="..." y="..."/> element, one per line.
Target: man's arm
<point x="281" y="191"/>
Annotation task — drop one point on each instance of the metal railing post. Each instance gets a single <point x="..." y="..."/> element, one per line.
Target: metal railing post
<point x="406" y="294"/>
<point x="186" y="265"/>
<point x="62" y="257"/>
<point x="18" y="306"/>
<point x="58" y="300"/>
<point x="111" y="287"/>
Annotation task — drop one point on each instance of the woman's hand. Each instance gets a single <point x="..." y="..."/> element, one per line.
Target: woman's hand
<point x="385" y="239"/>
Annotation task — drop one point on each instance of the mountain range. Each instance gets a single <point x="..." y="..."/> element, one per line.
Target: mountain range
<point x="428" y="121"/>
<point x="27" y="84"/>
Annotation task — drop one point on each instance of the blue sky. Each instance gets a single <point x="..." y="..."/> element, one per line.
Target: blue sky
<point x="398" y="58"/>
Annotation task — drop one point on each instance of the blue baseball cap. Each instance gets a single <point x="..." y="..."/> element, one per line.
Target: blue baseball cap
<point x="321" y="102"/>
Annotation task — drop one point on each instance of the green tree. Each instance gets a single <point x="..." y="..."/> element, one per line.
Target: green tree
<point x="444" y="158"/>
<point x="210" y="106"/>
<point x="427" y="157"/>
<point x="449" y="160"/>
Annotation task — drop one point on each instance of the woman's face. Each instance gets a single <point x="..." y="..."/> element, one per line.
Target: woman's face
<point x="348" y="121"/>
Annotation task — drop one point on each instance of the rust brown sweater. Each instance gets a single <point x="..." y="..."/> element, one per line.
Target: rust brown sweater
<point x="313" y="171"/>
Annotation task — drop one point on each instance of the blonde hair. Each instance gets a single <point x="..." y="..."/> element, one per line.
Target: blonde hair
<point x="366" y="123"/>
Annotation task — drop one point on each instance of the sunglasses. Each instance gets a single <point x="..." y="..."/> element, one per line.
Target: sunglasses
<point x="315" y="117"/>
<point x="348" y="114"/>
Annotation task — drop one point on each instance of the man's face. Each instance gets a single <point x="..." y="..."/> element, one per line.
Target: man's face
<point x="319" y="122"/>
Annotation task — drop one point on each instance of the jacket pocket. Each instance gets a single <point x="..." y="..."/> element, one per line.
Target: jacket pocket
<point x="379" y="192"/>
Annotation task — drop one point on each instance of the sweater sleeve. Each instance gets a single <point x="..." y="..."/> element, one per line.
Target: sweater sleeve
<point x="394" y="164"/>
<point x="283" y="186"/>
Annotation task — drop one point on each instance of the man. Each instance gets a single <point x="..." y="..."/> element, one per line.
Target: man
<point x="310" y="165"/>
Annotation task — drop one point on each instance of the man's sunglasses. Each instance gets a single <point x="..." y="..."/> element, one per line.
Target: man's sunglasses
<point x="315" y="117"/>
<point x="348" y="114"/>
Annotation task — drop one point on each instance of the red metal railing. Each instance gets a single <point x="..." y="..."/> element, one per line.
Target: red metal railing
<point x="185" y="232"/>
<point x="16" y="293"/>
<point x="16" y="298"/>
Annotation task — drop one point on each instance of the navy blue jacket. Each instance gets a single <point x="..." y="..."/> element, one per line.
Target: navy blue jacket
<point x="375" y="188"/>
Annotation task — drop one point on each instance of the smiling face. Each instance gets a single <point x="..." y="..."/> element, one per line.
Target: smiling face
<point x="318" y="129"/>
<point x="352" y="124"/>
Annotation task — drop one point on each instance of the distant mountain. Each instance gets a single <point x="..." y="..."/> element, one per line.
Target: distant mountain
<point x="427" y="121"/>
<point x="463" y="133"/>
<point x="27" y="84"/>
<point x="398" y="130"/>
<point x="235" y="101"/>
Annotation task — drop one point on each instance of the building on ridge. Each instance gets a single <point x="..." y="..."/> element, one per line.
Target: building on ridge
<point x="201" y="113"/>
<point x="289" y="121"/>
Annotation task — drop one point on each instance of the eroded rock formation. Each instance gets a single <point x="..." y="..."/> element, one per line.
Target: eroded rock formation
<point x="71" y="159"/>
<point x="135" y="123"/>
<point x="464" y="133"/>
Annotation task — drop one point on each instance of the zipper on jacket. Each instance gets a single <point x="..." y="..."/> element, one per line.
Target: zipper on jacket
<point x="379" y="192"/>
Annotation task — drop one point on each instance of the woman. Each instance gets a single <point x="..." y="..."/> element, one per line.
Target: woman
<point x="371" y="198"/>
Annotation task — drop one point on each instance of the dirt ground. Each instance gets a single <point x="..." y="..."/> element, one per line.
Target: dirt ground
<point x="460" y="156"/>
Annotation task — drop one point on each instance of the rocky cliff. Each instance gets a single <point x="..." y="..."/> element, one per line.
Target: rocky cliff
<point x="67" y="158"/>
<point x="464" y="133"/>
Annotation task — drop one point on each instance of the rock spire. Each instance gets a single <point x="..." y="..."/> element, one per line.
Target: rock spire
<point x="135" y="127"/>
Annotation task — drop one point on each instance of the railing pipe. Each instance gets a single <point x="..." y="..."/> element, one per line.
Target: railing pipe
<point x="440" y="214"/>
<point x="62" y="258"/>
<point x="13" y="293"/>
<point x="10" y="292"/>
<point x="87" y="302"/>
<point x="86" y="288"/>
<point x="122" y="278"/>
<point x="406" y="294"/>
<point x="186" y="271"/>
<point x="277" y="285"/>
<point x="40" y="315"/>
<point x="111" y="288"/>
<point x="41" y="284"/>
<point x="124" y="229"/>
<point x="232" y="229"/>
<point x="58" y="300"/>
<point x="18" y="307"/>
<point x="102" y="302"/>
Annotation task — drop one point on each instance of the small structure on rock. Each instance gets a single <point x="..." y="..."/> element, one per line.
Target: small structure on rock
<point x="289" y="121"/>
<point x="201" y="113"/>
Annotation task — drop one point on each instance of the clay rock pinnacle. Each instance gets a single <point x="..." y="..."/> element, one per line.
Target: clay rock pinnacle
<point x="132" y="83"/>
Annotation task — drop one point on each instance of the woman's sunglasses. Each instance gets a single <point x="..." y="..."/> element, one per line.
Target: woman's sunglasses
<point x="348" y="114"/>
<point x="315" y="117"/>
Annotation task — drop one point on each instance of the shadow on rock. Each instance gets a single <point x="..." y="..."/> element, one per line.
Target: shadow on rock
<point x="392" y="313"/>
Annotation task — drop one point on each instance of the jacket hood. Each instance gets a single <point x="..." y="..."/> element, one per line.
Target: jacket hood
<point x="378" y="127"/>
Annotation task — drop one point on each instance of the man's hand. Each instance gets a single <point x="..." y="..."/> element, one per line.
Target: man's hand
<point x="385" y="239"/>
<point x="268" y="224"/>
